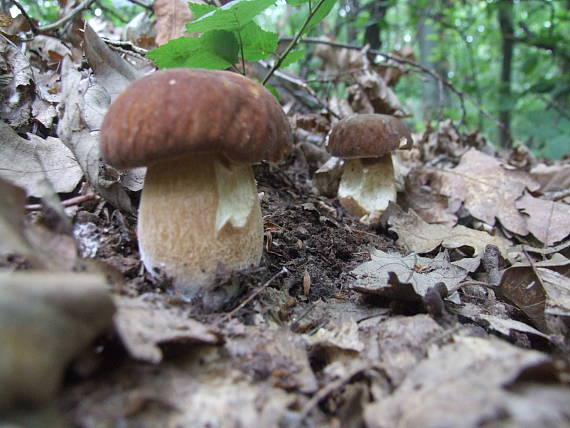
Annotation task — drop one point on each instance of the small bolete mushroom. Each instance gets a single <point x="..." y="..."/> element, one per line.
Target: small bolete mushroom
<point x="366" y="142"/>
<point x="198" y="131"/>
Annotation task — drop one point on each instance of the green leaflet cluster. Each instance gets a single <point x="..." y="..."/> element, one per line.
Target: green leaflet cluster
<point x="229" y="34"/>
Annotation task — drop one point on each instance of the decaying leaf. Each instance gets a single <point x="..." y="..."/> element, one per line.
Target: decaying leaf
<point x="488" y="189"/>
<point x="413" y="275"/>
<point x="484" y="370"/>
<point x="16" y="91"/>
<point x="84" y="103"/>
<point x="432" y="207"/>
<point x="275" y="354"/>
<point x="548" y="221"/>
<point x="339" y="333"/>
<point x="30" y="163"/>
<point x="12" y="220"/>
<point x="421" y="237"/>
<point x="371" y="94"/>
<point x="552" y="178"/>
<point x="143" y="326"/>
<point x="399" y="343"/>
<point x="46" y="319"/>
<point x="538" y="291"/>
<point x="171" y="19"/>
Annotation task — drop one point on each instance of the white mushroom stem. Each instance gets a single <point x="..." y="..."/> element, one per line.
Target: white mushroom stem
<point x="367" y="186"/>
<point x="197" y="214"/>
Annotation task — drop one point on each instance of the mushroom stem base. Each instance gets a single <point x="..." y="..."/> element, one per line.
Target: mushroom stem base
<point x="199" y="216"/>
<point x="367" y="187"/>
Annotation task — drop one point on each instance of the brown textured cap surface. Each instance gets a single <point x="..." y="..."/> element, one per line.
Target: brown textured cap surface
<point x="176" y="112"/>
<point x="367" y="136"/>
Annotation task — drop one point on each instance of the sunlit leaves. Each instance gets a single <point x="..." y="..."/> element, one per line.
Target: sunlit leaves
<point x="232" y="16"/>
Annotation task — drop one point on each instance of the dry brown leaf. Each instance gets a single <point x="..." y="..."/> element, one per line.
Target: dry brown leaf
<point x="31" y="163"/>
<point x="278" y="355"/>
<point x="46" y="319"/>
<point x="17" y="88"/>
<point x="552" y="178"/>
<point x="548" y="221"/>
<point x="143" y="326"/>
<point x="432" y="207"/>
<point x="339" y="333"/>
<point x="12" y="230"/>
<point x="171" y="19"/>
<point x="421" y="237"/>
<point x="488" y="188"/>
<point x="371" y="94"/>
<point x="399" y="343"/>
<point x="483" y="371"/>
<point x="413" y="275"/>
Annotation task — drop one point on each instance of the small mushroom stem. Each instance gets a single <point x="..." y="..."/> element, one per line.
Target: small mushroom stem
<point x="367" y="186"/>
<point x="197" y="214"/>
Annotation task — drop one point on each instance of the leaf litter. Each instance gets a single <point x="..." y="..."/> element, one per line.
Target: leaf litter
<point x="411" y="323"/>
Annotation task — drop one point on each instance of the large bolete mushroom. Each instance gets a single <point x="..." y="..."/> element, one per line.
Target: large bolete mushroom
<point x="366" y="142"/>
<point x="198" y="131"/>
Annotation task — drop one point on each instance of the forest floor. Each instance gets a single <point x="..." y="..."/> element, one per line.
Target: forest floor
<point x="452" y="310"/>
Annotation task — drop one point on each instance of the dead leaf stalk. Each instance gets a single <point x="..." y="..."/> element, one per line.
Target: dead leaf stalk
<point x="67" y="203"/>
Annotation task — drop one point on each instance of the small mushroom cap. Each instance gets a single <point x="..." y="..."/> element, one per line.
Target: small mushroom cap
<point x="176" y="112"/>
<point x="367" y="136"/>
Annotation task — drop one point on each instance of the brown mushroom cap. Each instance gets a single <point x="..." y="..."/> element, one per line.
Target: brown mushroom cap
<point x="172" y="113"/>
<point x="367" y="136"/>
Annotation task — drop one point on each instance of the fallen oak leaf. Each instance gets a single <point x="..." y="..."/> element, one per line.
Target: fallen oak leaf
<point x="406" y="278"/>
<point x="488" y="188"/>
<point x="143" y="326"/>
<point x="548" y="221"/>
<point x="420" y="237"/>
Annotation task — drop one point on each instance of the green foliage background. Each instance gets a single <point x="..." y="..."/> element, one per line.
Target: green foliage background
<point x="467" y="44"/>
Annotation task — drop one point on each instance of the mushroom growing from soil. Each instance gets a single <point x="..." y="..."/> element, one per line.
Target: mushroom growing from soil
<point x="198" y="131"/>
<point x="366" y="142"/>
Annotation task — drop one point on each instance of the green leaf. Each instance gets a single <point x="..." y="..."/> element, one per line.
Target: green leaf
<point x="325" y="6"/>
<point x="273" y="91"/>
<point x="293" y="56"/>
<point x="215" y="50"/>
<point x="257" y="43"/>
<point x="233" y="16"/>
<point x="296" y="2"/>
<point x="199" y="9"/>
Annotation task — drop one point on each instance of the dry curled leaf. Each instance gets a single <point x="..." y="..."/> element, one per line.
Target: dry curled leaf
<point x="421" y="237"/>
<point x="143" y="326"/>
<point x="31" y="163"/>
<point x="548" y="221"/>
<point x="408" y="278"/>
<point x="171" y="19"/>
<point x="488" y="188"/>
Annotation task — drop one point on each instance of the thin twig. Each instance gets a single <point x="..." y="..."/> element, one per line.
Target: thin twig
<point x="294" y="41"/>
<point x="302" y="84"/>
<point x="67" y="203"/>
<point x="126" y="46"/>
<point x="80" y="8"/>
<point x="253" y="295"/>
<point x="31" y="23"/>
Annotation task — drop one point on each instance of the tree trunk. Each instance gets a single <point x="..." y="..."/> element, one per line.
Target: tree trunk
<point x="377" y="11"/>
<point x="505" y="17"/>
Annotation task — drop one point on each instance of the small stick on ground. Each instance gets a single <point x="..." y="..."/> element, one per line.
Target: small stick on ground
<point x="67" y="203"/>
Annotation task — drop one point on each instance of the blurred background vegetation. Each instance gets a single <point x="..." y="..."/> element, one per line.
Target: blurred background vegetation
<point x="510" y="58"/>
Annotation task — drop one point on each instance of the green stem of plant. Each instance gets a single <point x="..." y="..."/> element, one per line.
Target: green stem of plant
<point x="293" y="43"/>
